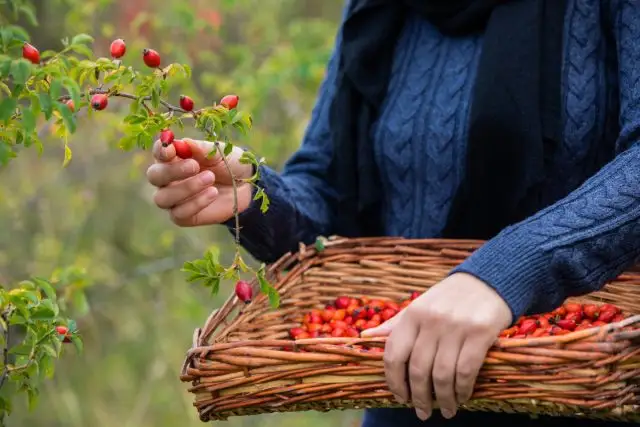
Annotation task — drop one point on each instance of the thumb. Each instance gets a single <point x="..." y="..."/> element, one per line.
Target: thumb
<point x="204" y="152"/>
<point x="382" y="330"/>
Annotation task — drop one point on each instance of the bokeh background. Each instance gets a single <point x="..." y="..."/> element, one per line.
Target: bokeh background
<point x="97" y="215"/>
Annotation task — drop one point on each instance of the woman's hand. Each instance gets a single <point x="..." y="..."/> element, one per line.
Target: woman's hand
<point x="441" y="340"/>
<point x="198" y="191"/>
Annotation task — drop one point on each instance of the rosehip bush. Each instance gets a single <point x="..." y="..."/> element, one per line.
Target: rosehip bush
<point x="61" y="87"/>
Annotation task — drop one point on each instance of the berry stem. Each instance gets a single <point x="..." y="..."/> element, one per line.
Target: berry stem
<point x="235" y="195"/>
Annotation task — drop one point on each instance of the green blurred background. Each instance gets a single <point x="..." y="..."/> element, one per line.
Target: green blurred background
<point x="97" y="214"/>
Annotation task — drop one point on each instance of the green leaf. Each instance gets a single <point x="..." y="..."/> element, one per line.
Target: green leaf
<point x="28" y="120"/>
<point x="68" y="155"/>
<point x="72" y="325"/>
<point x="47" y="365"/>
<point x="21" y="349"/>
<point x="32" y="398"/>
<point x="82" y="50"/>
<point x="46" y="104"/>
<point x="46" y="288"/>
<point x="155" y="98"/>
<point x="80" y="303"/>
<point x="67" y="116"/>
<point x="274" y="298"/>
<point x="77" y="342"/>
<point x="7" y="108"/>
<point x="81" y="39"/>
<point x="228" y="148"/>
<point x="21" y="70"/>
<point x="55" y="89"/>
<point x="49" y="349"/>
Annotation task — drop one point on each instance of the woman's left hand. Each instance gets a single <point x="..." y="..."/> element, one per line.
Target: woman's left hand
<point x="441" y="340"/>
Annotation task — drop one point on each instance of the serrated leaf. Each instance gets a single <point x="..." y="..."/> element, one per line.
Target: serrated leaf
<point x="47" y="363"/>
<point x="21" y="349"/>
<point x="72" y="325"/>
<point x="32" y="397"/>
<point x="228" y="148"/>
<point x="7" y="108"/>
<point x="67" y="117"/>
<point x="46" y="288"/>
<point x="77" y="342"/>
<point x="28" y="120"/>
<point x="81" y="39"/>
<point x="55" y="88"/>
<point x="21" y="71"/>
<point x="46" y="104"/>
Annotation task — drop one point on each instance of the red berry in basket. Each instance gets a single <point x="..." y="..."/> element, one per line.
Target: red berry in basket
<point x="591" y="311"/>
<point x="186" y="103"/>
<point x="560" y="311"/>
<point x="392" y="305"/>
<point x="183" y="150"/>
<point x="567" y="324"/>
<point x="167" y="137"/>
<point x="327" y="314"/>
<point x="371" y="324"/>
<point x="376" y="350"/>
<point x="610" y="307"/>
<point x="339" y="314"/>
<point x="576" y="316"/>
<point x="326" y="328"/>
<point x="339" y="324"/>
<point x="348" y="320"/>
<point x="543" y="322"/>
<point x="599" y="323"/>
<point x="294" y="332"/>
<point x="118" y="48"/>
<point x="230" y="101"/>
<point x="387" y="314"/>
<point x="352" y="333"/>
<point x="371" y="312"/>
<point x="573" y="307"/>
<point x="360" y="324"/>
<point x="71" y="105"/>
<point x="30" y="53"/>
<point x="527" y="327"/>
<point x="99" y="101"/>
<point x="376" y="318"/>
<point x="244" y="291"/>
<point x="303" y="336"/>
<point x="618" y="318"/>
<point x="377" y="305"/>
<point x="540" y="332"/>
<point x="315" y="319"/>
<point x="314" y="327"/>
<point x="415" y="295"/>
<point x="607" y="316"/>
<point x="342" y="302"/>
<point x="337" y="332"/>
<point x="151" y="58"/>
<point x="508" y="333"/>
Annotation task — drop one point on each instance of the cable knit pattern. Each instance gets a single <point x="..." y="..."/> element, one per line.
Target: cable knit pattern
<point x="590" y="230"/>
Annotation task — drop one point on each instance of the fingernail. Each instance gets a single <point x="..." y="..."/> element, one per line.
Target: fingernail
<point x="189" y="167"/>
<point x="447" y="413"/>
<point x="212" y="192"/>
<point x="423" y="415"/>
<point x="207" y="178"/>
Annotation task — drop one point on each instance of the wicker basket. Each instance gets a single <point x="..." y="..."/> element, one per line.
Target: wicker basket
<point x="243" y="362"/>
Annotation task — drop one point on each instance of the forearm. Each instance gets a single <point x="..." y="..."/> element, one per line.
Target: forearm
<point x="571" y="248"/>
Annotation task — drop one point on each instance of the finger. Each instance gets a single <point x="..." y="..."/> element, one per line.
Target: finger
<point x="163" y="154"/>
<point x="187" y="212"/>
<point x="444" y="372"/>
<point x="384" y="329"/>
<point x="470" y="360"/>
<point x="396" y="355"/>
<point x="205" y="152"/>
<point x="163" y="174"/>
<point x="173" y="195"/>
<point x="420" y="368"/>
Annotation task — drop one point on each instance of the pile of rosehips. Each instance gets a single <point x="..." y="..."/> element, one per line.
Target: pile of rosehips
<point x="565" y="319"/>
<point x="347" y="317"/>
<point x="152" y="59"/>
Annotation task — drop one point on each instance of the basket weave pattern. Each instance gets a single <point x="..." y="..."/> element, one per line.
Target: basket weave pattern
<point x="243" y="362"/>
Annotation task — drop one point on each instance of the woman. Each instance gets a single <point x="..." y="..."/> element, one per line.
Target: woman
<point x="512" y="121"/>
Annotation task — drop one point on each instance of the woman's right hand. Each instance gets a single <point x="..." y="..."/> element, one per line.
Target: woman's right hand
<point x="198" y="191"/>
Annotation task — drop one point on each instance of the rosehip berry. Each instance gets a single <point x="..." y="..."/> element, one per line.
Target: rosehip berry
<point x="230" y="101"/>
<point x="339" y="314"/>
<point x="592" y="311"/>
<point x="294" y="332"/>
<point x="576" y="316"/>
<point x="303" y="336"/>
<point x="118" y="48"/>
<point x="166" y="137"/>
<point x="30" y="53"/>
<point x="352" y="333"/>
<point x="183" y="150"/>
<point x="243" y="291"/>
<point x="342" y="302"/>
<point x="415" y="295"/>
<point x="64" y="331"/>
<point x="71" y="105"/>
<point x="573" y="307"/>
<point x="316" y="319"/>
<point x="388" y="313"/>
<point x="527" y="327"/>
<point x="567" y="324"/>
<point x="186" y="103"/>
<point x="314" y="327"/>
<point x="99" y="101"/>
<point x="607" y="316"/>
<point x="618" y="318"/>
<point x="151" y="58"/>
<point x="610" y="307"/>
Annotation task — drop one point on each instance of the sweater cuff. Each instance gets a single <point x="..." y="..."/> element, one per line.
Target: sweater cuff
<point x="256" y="234"/>
<point x="515" y="267"/>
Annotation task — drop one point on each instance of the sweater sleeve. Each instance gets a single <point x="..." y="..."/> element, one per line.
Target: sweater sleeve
<point x="579" y="243"/>
<point x="302" y="203"/>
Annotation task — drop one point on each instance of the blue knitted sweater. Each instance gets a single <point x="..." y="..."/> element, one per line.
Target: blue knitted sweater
<point x="590" y="230"/>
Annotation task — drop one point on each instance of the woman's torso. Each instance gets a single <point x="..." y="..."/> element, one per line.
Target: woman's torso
<point x="420" y="136"/>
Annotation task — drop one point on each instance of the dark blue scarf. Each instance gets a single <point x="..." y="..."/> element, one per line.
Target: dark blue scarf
<point x="514" y="119"/>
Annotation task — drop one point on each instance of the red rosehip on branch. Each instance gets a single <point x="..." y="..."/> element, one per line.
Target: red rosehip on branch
<point x="99" y="101"/>
<point x="71" y="105"/>
<point x="244" y="291"/>
<point x="186" y="103"/>
<point x="151" y="58"/>
<point x="166" y="137"/>
<point x="183" y="150"/>
<point x="63" y="331"/>
<point x="230" y="101"/>
<point x="118" y="48"/>
<point x="30" y="53"/>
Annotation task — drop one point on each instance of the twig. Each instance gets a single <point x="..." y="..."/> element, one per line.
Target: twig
<point x="5" y="349"/>
<point x="235" y="193"/>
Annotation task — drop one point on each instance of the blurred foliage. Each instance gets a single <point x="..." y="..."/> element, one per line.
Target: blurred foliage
<point x="97" y="214"/>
